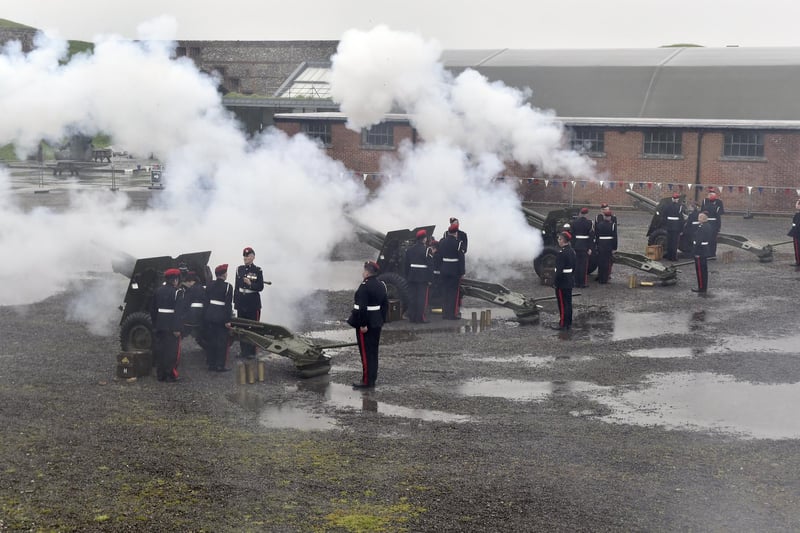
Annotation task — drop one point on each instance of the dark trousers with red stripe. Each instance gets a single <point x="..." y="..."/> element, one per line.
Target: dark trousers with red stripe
<point x="564" y="299"/>
<point x="418" y="301"/>
<point x="701" y="269"/>
<point x="167" y="352"/>
<point x="368" y="343"/>
<point x="796" y="250"/>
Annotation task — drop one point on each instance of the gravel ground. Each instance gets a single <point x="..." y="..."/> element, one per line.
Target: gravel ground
<point x="516" y="428"/>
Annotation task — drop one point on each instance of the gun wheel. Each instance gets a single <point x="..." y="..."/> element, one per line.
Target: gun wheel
<point x="396" y="287"/>
<point x="545" y="265"/>
<point x="136" y="332"/>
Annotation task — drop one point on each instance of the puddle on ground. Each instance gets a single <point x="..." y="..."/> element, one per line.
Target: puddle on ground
<point x="298" y="415"/>
<point x="666" y="353"/>
<point x="522" y="391"/>
<point x="528" y="360"/>
<point x="755" y="344"/>
<point x="636" y="325"/>
<point x="709" y="402"/>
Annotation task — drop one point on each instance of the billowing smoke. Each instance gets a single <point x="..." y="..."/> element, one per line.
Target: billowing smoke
<point x="470" y="127"/>
<point x="282" y="196"/>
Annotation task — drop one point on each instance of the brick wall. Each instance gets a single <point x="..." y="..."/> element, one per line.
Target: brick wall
<point x="24" y="35"/>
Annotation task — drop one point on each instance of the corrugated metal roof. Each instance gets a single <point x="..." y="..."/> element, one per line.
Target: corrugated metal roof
<point x="687" y="83"/>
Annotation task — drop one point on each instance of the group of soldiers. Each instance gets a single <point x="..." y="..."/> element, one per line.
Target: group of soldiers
<point x="442" y="261"/>
<point x="183" y="306"/>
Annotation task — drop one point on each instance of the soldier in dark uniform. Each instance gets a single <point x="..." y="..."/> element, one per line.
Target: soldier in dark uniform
<point x="166" y="313"/>
<point x="690" y="226"/>
<point x="583" y="241"/>
<point x="461" y="236"/>
<point x="605" y="209"/>
<point x="418" y="272"/>
<point x="606" y="243"/>
<point x="247" y="297"/>
<point x="701" y="250"/>
<point x="218" y="319"/>
<point x="451" y="267"/>
<point x="673" y="221"/>
<point x="195" y="301"/>
<point x="367" y="317"/>
<point x="712" y="205"/>
<point x="564" y="280"/>
<point x="794" y="233"/>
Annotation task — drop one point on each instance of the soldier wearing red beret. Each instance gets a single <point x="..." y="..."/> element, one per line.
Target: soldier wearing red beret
<point x="367" y="317"/>
<point x="451" y="267"/>
<point x="583" y="242"/>
<point x="673" y="217"/>
<point x="247" y="295"/>
<point x="166" y="312"/>
<point x="564" y="280"/>
<point x="606" y="242"/>
<point x="715" y="209"/>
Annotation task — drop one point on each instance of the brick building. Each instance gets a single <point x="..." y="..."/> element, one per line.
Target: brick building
<point x="657" y="120"/>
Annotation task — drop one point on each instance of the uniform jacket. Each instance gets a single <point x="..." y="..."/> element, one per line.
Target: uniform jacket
<point x="673" y="217"/>
<point x="418" y="266"/>
<point x="168" y="308"/>
<point x="715" y="210"/>
<point x="565" y="267"/>
<point x="195" y="302"/>
<point x="605" y="235"/>
<point x="794" y="231"/>
<point x="583" y="233"/>
<point x="702" y="238"/>
<point x="220" y="299"/>
<point x="248" y="298"/>
<point x="461" y="237"/>
<point x="450" y="258"/>
<point x="371" y="304"/>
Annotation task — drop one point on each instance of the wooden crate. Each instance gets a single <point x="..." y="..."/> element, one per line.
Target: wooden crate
<point x="395" y="311"/>
<point x="654" y="252"/>
<point x="134" y="363"/>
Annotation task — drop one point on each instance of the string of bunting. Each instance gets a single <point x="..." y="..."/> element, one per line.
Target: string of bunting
<point x="672" y="187"/>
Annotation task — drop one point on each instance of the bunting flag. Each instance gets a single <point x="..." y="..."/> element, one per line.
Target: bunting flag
<point x="741" y="188"/>
<point x="730" y="188"/>
<point x="546" y="182"/>
<point x="564" y="184"/>
<point x="760" y="190"/>
<point x="788" y="191"/>
<point x="610" y="184"/>
<point x="689" y="185"/>
<point x="669" y="186"/>
<point x="631" y="187"/>
<point x="649" y="184"/>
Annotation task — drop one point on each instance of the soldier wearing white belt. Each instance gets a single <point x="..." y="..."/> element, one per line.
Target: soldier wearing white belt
<point x="166" y="313"/>
<point x="219" y="311"/>
<point x="418" y="269"/>
<point x="564" y="280"/>
<point x="370" y="306"/>
<point x="247" y="295"/>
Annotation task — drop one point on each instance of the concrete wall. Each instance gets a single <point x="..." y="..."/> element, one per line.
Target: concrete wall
<point x="24" y="35"/>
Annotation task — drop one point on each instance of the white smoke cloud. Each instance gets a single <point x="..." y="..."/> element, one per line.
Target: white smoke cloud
<point x="470" y="129"/>
<point x="282" y="196"/>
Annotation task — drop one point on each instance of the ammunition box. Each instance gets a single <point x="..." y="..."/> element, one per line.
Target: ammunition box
<point x="395" y="311"/>
<point x="655" y="252"/>
<point x="134" y="364"/>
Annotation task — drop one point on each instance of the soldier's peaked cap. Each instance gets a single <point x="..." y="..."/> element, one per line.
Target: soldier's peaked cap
<point x="422" y="233"/>
<point x="248" y="251"/>
<point x="172" y="273"/>
<point x="221" y="268"/>
<point x="584" y="210"/>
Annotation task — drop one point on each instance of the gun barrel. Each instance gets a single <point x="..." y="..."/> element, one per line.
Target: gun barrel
<point x="367" y="235"/>
<point x="534" y="218"/>
<point x="646" y="203"/>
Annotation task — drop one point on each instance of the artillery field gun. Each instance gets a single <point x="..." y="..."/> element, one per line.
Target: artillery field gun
<point x="656" y="233"/>
<point x="392" y="246"/>
<point x="551" y="224"/>
<point x="136" y="327"/>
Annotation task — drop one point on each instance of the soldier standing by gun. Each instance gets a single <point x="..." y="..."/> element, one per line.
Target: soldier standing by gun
<point x="417" y="269"/>
<point x="702" y="250"/>
<point x="368" y="315"/>
<point x="564" y="280"/>
<point x="712" y="205"/>
<point x="794" y="233"/>
<point x="166" y="313"/>
<point x="452" y="268"/>
<point x="606" y="242"/>
<point x="247" y="297"/>
<point x="673" y="220"/>
<point x="195" y="300"/>
<point x="583" y="233"/>
<point x="218" y="319"/>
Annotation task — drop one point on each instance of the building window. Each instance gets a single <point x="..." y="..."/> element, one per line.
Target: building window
<point x="180" y="51"/>
<point x="318" y="130"/>
<point x="662" y="142"/>
<point x="743" y="144"/>
<point x="587" y="140"/>
<point x="378" y="135"/>
<point x="194" y="52"/>
<point x="234" y="84"/>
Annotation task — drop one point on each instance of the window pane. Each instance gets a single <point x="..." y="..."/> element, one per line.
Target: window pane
<point x="587" y="140"/>
<point x="318" y="130"/>
<point x="662" y="142"/>
<point x="378" y="135"/>
<point x="743" y="144"/>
